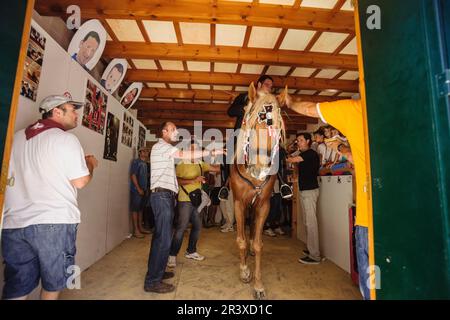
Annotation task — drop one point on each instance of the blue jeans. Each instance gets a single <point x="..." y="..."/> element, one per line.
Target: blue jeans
<point x="186" y="212"/>
<point x="362" y="256"/>
<point x="38" y="252"/>
<point x="163" y="210"/>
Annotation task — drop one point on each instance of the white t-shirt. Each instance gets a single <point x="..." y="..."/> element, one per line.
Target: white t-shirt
<point x="162" y="166"/>
<point x="322" y="150"/>
<point x="42" y="168"/>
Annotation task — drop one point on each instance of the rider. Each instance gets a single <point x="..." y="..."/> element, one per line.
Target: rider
<point x="265" y="84"/>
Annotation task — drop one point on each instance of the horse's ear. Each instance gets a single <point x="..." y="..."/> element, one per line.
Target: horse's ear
<point x="252" y="93"/>
<point x="282" y="96"/>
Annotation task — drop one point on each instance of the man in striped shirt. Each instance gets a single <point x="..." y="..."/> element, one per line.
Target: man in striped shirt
<point x="164" y="187"/>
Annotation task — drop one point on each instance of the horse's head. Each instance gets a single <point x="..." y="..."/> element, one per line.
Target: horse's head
<point x="261" y="133"/>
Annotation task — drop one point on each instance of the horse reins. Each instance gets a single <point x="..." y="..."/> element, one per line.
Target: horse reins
<point x="257" y="188"/>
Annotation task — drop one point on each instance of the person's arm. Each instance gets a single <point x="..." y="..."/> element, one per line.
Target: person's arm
<point x="237" y="107"/>
<point x="302" y="107"/>
<point x="184" y="182"/>
<point x="91" y="163"/>
<point x="136" y="184"/>
<point x="296" y="159"/>
<point x="188" y="155"/>
<point x="341" y="148"/>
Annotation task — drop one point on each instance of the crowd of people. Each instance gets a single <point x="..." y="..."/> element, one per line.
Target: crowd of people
<point x="175" y="194"/>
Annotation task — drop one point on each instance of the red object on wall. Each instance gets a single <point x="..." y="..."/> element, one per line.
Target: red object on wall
<point x="353" y="262"/>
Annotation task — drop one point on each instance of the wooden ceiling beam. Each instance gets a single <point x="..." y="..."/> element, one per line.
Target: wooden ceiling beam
<point x="162" y="93"/>
<point x="189" y="123"/>
<point x="222" y="78"/>
<point x="223" y="116"/>
<point x="292" y="58"/>
<point x="197" y="11"/>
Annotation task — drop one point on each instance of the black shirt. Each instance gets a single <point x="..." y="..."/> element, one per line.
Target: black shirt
<point x="237" y="109"/>
<point x="308" y="170"/>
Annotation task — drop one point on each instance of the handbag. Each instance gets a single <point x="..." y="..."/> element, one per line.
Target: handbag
<point x="196" y="195"/>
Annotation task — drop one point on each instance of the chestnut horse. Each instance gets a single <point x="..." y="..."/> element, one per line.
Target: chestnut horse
<point x="253" y="174"/>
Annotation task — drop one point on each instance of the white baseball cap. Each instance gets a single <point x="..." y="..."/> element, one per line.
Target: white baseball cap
<point x="54" y="101"/>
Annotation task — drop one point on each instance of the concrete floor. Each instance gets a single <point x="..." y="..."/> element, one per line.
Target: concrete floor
<point x="120" y="274"/>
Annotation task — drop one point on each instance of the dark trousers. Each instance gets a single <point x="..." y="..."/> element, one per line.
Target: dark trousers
<point x="273" y="219"/>
<point x="186" y="213"/>
<point x="148" y="217"/>
<point x="163" y="210"/>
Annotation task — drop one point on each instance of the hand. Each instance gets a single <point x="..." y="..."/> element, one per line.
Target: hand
<point x="218" y="152"/>
<point x="334" y="144"/>
<point x="91" y="160"/>
<point x="141" y="192"/>
<point x="200" y="179"/>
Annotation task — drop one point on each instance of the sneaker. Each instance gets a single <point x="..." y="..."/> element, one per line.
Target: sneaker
<point x="306" y="252"/>
<point x="269" y="232"/>
<point x="227" y="229"/>
<point x="194" y="256"/>
<point x="172" y="263"/>
<point x="279" y="231"/>
<point x="223" y="194"/>
<point x="168" y="275"/>
<point x="160" y="288"/>
<point x="308" y="260"/>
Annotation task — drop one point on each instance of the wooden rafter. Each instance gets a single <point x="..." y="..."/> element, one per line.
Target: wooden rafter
<point x="313" y="41"/>
<point x="143" y="31"/>
<point x="230" y="54"/>
<point x="344" y="44"/>
<point x="222" y="78"/>
<point x="162" y="93"/>
<point x="197" y="11"/>
<point x="109" y="30"/>
<point x="204" y="115"/>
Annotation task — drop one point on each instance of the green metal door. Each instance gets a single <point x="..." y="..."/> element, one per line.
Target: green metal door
<point x="408" y="123"/>
<point x="11" y="28"/>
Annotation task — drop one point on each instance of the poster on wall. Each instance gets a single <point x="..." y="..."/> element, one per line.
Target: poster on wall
<point x="88" y="43"/>
<point x="114" y="74"/>
<point x="95" y="108"/>
<point x="131" y="95"/>
<point x="127" y="130"/>
<point x="33" y="65"/>
<point x="142" y="133"/>
<point x="111" y="137"/>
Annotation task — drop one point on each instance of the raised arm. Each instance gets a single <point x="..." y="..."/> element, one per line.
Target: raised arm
<point x="188" y="155"/>
<point x="302" y="107"/>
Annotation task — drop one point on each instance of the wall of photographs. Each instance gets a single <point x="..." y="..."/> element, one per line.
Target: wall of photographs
<point x="104" y="202"/>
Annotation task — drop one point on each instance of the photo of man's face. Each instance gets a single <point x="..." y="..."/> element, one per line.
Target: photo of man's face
<point x="112" y="78"/>
<point x="87" y="50"/>
<point x="129" y="97"/>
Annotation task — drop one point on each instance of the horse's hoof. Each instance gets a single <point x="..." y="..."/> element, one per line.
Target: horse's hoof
<point x="246" y="276"/>
<point x="259" y="294"/>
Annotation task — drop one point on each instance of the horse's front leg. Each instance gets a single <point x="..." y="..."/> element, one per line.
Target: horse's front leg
<point x="245" y="273"/>
<point x="260" y="218"/>
<point x="252" y="215"/>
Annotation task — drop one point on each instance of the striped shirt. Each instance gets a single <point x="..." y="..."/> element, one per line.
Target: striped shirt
<point x="163" y="166"/>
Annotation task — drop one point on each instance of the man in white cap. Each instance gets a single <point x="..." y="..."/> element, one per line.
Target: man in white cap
<point x="41" y="212"/>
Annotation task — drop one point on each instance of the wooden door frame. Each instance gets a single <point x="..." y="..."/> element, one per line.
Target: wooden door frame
<point x="15" y="103"/>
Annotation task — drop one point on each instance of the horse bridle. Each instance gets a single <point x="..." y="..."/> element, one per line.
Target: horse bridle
<point x="257" y="188"/>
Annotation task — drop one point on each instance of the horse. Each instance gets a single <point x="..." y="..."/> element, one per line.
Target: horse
<point x="253" y="175"/>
